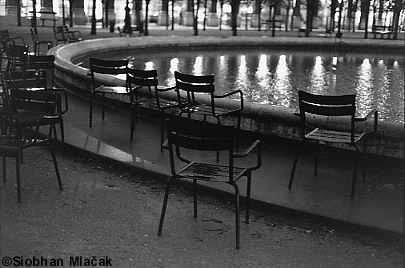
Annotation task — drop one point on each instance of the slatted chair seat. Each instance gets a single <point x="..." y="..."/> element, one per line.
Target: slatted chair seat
<point x="206" y="110"/>
<point x="111" y="89"/>
<point x="210" y="172"/>
<point x="333" y="136"/>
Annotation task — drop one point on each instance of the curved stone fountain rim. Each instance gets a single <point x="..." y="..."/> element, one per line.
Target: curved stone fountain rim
<point x="65" y="55"/>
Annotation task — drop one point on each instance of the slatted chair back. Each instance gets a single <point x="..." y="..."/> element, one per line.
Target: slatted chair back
<point x="192" y="84"/>
<point x="42" y="64"/>
<point x="27" y="92"/>
<point x="15" y="54"/>
<point x="112" y="67"/>
<point x="344" y="105"/>
<point x="183" y="133"/>
<point x="138" y="79"/>
<point x="41" y="100"/>
<point x="59" y="35"/>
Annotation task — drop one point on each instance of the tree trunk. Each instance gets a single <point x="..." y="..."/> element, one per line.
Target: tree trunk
<point x="367" y="10"/>
<point x="234" y="15"/>
<point x="398" y="5"/>
<point x="195" y="15"/>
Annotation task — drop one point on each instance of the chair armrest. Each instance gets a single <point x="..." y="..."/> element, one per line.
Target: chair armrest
<point x="374" y="113"/>
<point x="254" y="145"/>
<point x="233" y="93"/>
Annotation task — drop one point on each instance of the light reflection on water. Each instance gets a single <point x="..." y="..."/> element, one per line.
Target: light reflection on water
<point x="275" y="76"/>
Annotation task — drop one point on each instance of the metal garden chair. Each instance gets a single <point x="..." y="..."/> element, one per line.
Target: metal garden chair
<point x="30" y="109"/>
<point x="38" y="43"/>
<point x="332" y="106"/>
<point x="150" y="99"/>
<point x="111" y="67"/>
<point x="200" y="136"/>
<point x="27" y="113"/>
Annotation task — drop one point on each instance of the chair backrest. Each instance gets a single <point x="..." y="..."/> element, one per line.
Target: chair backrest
<point x="34" y="82"/>
<point x="59" y="34"/>
<point x="323" y="105"/>
<point x="197" y="135"/>
<point x="137" y="79"/>
<point x="192" y="84"/>
<point x="15" y="53"/>
<point x="27" y="92"/>
<point x="41" y="63"/>
<point x="101" y="66"/>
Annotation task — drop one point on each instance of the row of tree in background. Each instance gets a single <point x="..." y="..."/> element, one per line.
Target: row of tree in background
<point x="387" y="13"/>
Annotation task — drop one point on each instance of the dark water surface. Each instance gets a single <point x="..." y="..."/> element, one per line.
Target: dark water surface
<point x="274" y="76"/>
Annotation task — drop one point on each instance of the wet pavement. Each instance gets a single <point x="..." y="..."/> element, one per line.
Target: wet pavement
<point x="378" y="204"/>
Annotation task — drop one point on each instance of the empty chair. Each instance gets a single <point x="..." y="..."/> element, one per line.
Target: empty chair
<point x="38" y="43"/>
<point x="312" y="131"/>
<point x="64" y="35"/>
<point x="200" y="136"/>
<point x="73" y="35"/>
<point x="189" y="86"/>
<point x="150" y="98"/>
<point x="111" y="67"/>
<point x="13" y="146"/>
<point x="30" y="103"/>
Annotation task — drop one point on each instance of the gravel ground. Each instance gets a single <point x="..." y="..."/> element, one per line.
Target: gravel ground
<point x="110" y="215"/>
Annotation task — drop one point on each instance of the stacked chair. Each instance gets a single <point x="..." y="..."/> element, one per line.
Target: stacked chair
<point x="31" y="108"/>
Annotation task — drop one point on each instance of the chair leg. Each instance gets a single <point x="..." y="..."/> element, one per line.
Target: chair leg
<point x="297" y="152"/>
<point x="52" y="128"/>
<point x="103" y="108"/>
<point x="316" y="158"/>
<point x="164" y="206"/>
<point x="91" y="111"/>
<point x="4" y="162"/>
<point x="18" y="176"/>
<point x="237" y="219"/>
<point x="162" y="131"/>
<point x="219" y="124"/>
<point x="195" y="197"/>
<point x="248" y="189"/>
<point x="62" y="131"/>
<point x="132" y="123"/>
<point x="365" y="145"/>
<point x="55" y="164"/>
<point x="356" y="160"/>
<point x="238" y="132"/>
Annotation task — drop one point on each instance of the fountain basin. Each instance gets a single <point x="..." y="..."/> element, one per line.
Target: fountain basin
<point x="262" y="118"/>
